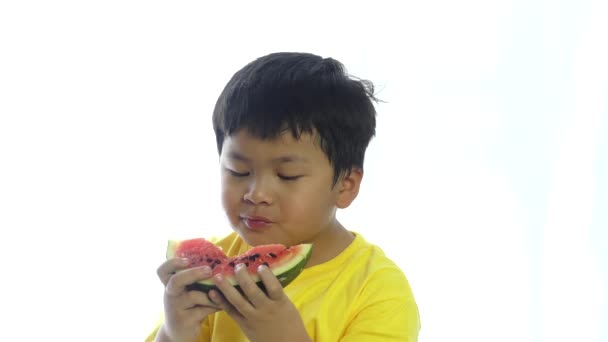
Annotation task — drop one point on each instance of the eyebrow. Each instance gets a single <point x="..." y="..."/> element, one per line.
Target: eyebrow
<point x="283" y="159"/>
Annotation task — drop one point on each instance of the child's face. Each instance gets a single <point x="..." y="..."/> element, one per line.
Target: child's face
<point x="277" y="191"/>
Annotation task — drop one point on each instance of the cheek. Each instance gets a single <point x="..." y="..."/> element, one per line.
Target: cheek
<point x="310" y="204"/>
<point x="230" y="197"/>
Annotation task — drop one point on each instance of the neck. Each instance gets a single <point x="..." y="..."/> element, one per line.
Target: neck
<point x="329" y="243"/>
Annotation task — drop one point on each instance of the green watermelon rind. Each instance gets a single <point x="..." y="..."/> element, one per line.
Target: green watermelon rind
<point x="171" y="248"/>
<point x="285" y="273"/>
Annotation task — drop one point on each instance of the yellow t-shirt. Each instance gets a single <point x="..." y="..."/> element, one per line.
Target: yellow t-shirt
<point x="358" y="296"/>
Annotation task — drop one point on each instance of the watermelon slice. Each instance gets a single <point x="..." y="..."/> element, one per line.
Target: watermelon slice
<point x="285" y="263"/>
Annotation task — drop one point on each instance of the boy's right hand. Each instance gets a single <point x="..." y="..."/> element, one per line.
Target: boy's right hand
<point x="184" y="310"/>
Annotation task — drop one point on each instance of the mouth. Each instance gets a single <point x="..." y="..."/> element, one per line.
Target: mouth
<point x="256" y="222"/>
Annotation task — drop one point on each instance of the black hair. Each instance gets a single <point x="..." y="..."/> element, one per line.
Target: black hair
<point x="301" y="93"/>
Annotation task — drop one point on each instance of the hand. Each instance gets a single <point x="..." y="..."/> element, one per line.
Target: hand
<point x="184" y="310"/>
<point x="262" y="317"/>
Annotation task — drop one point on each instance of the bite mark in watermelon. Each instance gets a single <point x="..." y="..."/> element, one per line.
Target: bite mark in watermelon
<point x="285" y="263"/>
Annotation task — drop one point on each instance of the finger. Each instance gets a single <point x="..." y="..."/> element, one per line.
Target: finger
<point x="169" y="267"/>
<point x="218" y="298"/>
<point x="231" y="295"/>
<point x="178" y="282"/>
<point x="197" y="298"/>
<point x="199" y="313"/>
<point x="252" y="292"/>
<point x="274" y="289"/>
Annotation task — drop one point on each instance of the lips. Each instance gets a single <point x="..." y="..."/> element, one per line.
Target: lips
<point x="256" y="222"/>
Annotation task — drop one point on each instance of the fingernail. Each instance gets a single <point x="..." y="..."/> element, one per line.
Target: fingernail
<point x="219" y="278"/>
<point x="205" y="270"/>
<point x="261" y="268"/>
<point x="184" y="261"/>
<point x="239" y="266"/>
<point x="215" y="298"/>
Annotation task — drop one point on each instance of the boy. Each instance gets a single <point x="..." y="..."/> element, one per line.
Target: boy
<point x="292" y="130"/>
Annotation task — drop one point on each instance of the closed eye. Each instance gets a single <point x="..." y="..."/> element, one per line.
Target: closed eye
<point x="237" y="174"/>
<point x="288" y="178"/>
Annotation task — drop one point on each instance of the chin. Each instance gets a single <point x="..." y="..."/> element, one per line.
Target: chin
<point x="249" y="238"/>
<point x="252" y="241"/>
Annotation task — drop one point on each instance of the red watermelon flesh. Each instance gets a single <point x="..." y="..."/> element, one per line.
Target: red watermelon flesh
<point x="285" y="263"/>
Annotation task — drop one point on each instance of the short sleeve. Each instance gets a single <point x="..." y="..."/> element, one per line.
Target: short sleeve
<point x="385" y="312"/>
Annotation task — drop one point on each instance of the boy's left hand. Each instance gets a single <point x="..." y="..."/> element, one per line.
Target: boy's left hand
<point x="262" y="317"/>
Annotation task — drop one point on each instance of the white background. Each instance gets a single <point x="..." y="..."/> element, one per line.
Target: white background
<point x="487" y="181"/>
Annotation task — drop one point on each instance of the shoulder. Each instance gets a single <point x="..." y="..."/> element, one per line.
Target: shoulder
<point x="383" y="304"/>
<point x="365" y="272"/>
<point x="383" y="277"/>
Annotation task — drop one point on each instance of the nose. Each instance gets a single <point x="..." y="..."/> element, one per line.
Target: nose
<point x="259" y="192"/>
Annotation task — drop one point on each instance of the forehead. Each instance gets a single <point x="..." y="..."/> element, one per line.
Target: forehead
<point x="285" y="147"/>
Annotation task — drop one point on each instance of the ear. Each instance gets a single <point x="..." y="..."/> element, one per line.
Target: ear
<point x="348" y="187"/>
